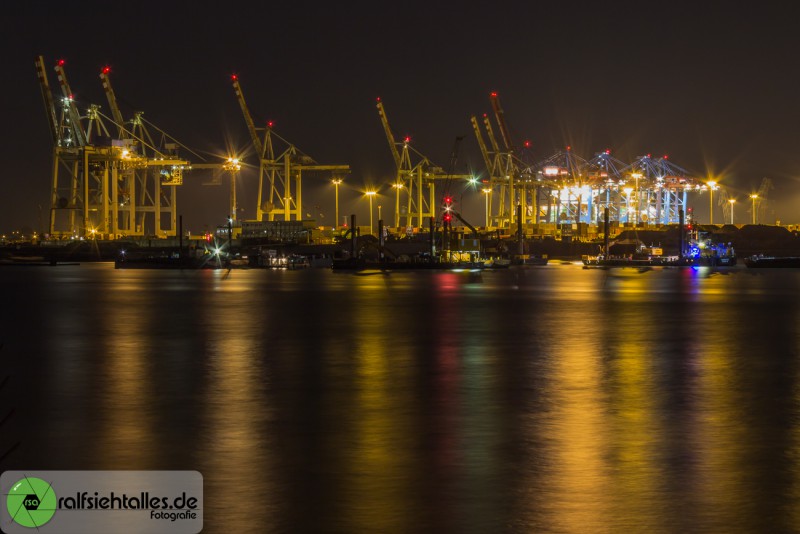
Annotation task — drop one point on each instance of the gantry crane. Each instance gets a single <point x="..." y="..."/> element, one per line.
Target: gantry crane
<point x="279" y="171"/>
<point x="605" y="177"/>
<point x="496" y="165"/>
<point x="660" y="189"/>
<point x="96" y="177"/>
<point x="511" y="180"/>
<point x="568" y="198"/>
<point x="145" y="168"/>
<point x="417" y="178"/>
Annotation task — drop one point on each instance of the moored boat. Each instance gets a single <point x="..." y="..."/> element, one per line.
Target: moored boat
<point x="759" y="261"/>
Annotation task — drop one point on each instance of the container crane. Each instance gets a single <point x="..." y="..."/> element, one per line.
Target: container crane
<point x="96" y="178"/>
<point x="147" y="173"/>
<point x="512" y="165"/>
<point x="279" y="171"/>
<point x="507" y="173"/>
<point x="416" y="177"/>
<point x="661" y="188"/>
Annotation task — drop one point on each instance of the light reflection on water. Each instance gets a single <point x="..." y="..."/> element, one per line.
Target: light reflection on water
<point x="551" y="399"/>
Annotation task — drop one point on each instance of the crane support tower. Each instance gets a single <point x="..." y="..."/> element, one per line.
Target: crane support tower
<point x="277" y="172"/>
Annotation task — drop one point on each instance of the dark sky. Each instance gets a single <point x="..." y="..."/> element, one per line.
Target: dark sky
<point x="714" y="85"/>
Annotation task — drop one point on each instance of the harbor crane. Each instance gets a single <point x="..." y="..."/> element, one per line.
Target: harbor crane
<point x="146" y="174"/>
<point x="106" y="186"/>
<point x="277" y="172"/>
<point x="416" y="174"/>
<point x="508" y="174"/>
<point x="660" y="189"/>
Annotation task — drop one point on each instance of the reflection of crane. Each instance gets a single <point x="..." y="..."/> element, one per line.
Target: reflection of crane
<point x="279" y="171"/>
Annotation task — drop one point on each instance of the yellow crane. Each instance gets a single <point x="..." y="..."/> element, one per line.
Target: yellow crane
<point x="145" y="175"/>
<point x="104" y="186"/>
<point x="279" y="172"/>
<point x="418" y="178"/>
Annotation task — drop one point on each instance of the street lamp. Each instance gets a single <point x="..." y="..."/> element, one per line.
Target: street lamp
<point x="370" y="194"/>
<point x="753" y="197"/>
<point x="711" y="186"/>
<point x="487" y="191"/>
<point x="336" y="183"/>
<point x="732" y="201"/>
<point x="397" y="187"/>
<point x="233" y="166"/>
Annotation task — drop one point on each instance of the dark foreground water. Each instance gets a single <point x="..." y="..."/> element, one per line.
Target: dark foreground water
<point x="554" y="399"/>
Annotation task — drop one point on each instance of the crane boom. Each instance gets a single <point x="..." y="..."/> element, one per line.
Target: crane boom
<point x="47" y="94"/>
<point x="481" y="143"/>
<point x="490" y="134"/>
<point x="389" y="135"/>
<point x="116" y="114"/>
<point x="74" y="116"/>
<point x="501" y="121"/>
<point x="251" y="127"/>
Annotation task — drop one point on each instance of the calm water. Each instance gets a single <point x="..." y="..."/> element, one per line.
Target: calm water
<point x="554" y="399"/>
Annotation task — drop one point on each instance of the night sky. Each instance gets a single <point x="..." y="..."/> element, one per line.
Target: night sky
<point x="715" y="87"/>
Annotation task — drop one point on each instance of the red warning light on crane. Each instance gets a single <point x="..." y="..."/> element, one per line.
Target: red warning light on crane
<point x="269" y="124"/>
<point x="608" y="151"/>
<point x="527" y="144"/>
<point x="493" y="94"/>
<point x="378" y="99"/>
<point x="666" y="157"/>
<point x="60" y="62"/>
<point x="234" y="77"/>
<point x="407" y="139"/>
<point x="569" y="147"/>
<point x="448" y="200"/>
<point x="106" y="70"/>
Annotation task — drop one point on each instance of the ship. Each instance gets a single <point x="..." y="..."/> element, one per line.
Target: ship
<point x="760" y="261"/>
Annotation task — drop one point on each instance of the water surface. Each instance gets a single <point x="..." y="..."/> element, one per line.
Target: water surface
<point x="551" y="399"/>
